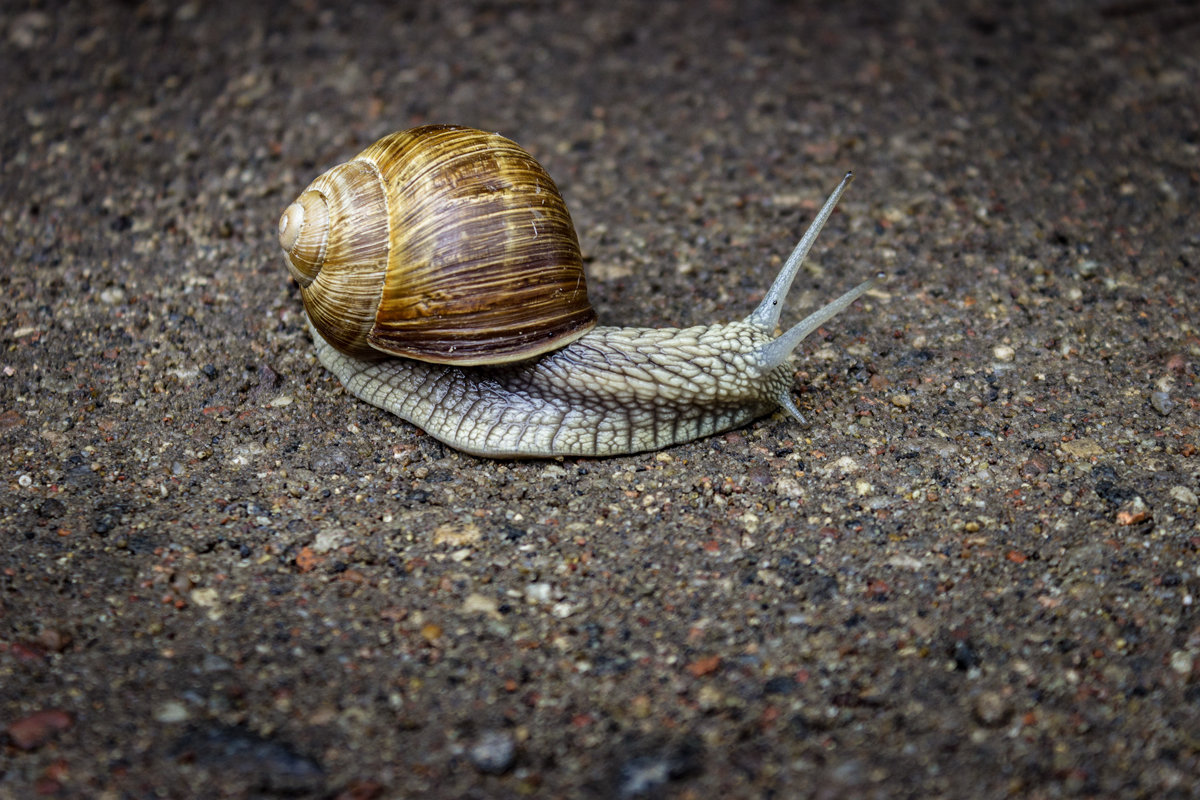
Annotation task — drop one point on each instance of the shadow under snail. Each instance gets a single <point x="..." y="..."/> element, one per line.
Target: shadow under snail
<point x="443" y="282"/>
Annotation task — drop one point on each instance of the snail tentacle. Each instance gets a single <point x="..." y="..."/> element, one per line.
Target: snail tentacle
<point x="775" y="352"/>
<point x="768" y="311"/>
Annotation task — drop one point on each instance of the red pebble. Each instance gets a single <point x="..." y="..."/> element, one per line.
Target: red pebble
<point x="38" y="728"/>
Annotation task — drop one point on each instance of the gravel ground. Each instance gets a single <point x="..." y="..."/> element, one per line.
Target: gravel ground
<point x="974" y="574"/>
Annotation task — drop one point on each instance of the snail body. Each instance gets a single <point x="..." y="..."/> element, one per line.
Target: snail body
<point x="552" y="383"/>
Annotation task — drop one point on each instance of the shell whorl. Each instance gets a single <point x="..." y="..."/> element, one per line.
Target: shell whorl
<point x="444" y="244"/>
<point x="338" y="231"/>
<point x="304" y="235"/>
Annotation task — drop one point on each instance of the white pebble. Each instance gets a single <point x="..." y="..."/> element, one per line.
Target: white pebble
<point x="172" y="711"/>
<point x="112" y="296"/>
<point x="1162" y="402"/>
<point x="1184" y="495"/>
<point x="538" y="592"/>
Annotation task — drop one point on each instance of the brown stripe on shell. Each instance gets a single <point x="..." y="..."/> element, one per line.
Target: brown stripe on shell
<point x="485" y="264"/>
<point x="343" y="296"/>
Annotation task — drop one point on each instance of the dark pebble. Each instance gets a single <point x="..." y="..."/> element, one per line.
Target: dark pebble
<point x="780" y="684"/>
<point x="274" y="764"/>
<point x="51" y="508"/>
<point x="493" y="752"/>
<point x="645" y="775"/>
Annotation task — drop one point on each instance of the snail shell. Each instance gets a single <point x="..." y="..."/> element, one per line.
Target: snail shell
<point x="442" y="244"/>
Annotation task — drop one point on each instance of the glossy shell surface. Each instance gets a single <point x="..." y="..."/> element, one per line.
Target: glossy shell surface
<point x="443" y="244"/>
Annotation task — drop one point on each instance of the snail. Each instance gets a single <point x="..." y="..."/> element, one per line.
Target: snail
<point x="442" y="281"/>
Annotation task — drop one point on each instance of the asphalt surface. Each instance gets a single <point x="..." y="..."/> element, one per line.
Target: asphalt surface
<point x="975" y="573"/>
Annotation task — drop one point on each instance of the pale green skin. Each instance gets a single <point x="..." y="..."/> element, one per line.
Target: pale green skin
<point x="613" y="391"/>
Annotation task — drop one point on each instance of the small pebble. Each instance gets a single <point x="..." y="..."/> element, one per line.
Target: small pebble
<point x="1133" y="512"/>
<point x="1082" y="448"/>
<point x="494" y="752"/>
<point x="457" y="534"/>
<point x="709" y="698"/>
<point x="237" y="751"/>
<point x="171" y="711"/>
<point x="1183" y="494"/>
<point x="214" y="663"/>
<point x="780" y="684"/>
<point x="112" y="296"/>
<point x="481" y="604"/>
<point x="1182" y="662"/>
<point x="1162" y="402"/>
<point x="991" y="709"/>
<point x="55" y="641"/>
<point x="1033" y="467"/>
<point x="35" y="730"/>
<point x="647" y="775"/>
<point x="24" y="31"/>
<point x="1004" y="353"/>
<point x="851" y="772"/>
<point x="901" y="401"/>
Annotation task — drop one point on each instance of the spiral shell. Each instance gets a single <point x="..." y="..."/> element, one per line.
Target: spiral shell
<point x="442" y="244"/>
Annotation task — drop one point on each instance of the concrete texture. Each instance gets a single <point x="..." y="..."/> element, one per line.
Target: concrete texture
<point x="974" y="574"/>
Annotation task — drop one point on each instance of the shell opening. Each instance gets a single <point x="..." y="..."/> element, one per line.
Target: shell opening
<point x="304" y="235"/>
